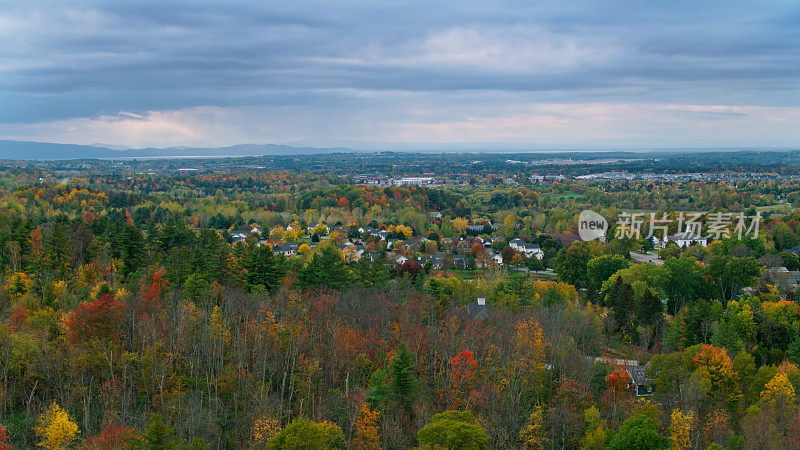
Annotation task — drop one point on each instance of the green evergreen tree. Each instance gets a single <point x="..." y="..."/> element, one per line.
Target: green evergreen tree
<point x="378" y="390"/>
<point x="370" y="273"/>
<point x="404" y="383"/>
<point x="649" y="309"/>
<point x="131" y="249"/>
<point x="158" y="435"/>
<point x="326" y="268"/>
<point x="264" y="268"/>
<point x="726" y="336"/>
<point x="793" y="351"/>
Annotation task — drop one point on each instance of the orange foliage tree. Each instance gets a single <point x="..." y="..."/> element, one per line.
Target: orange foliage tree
<point x="366" y="430"/>
<point x="713" y="364"/>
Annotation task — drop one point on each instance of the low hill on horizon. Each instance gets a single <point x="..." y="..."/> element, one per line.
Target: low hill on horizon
<point x="25" y="150"/>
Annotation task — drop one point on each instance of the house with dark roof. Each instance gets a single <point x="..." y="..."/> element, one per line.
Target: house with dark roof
<point x="640" y="383"/>
<point x="478" y="309"/>
<point x="460" y="262"/>
<point x="287" y="249"/>
<point x="437" y="261"/>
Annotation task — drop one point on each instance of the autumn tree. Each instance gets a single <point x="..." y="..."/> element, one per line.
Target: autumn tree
<point x="305" y="433"/>
<point x="460" y="225"/>
<point x="4" y="439"/>
<point x="96" y="319"/>
<point x="406" y="231"/>
<point x="55" y="428"/>
<point x="453" y="430"/>
<point x="112" y="435"/>
<point x="530" y="352"/>
<point x="366" y="430"/>
<point x="264" y="429"/>
<point x="533" y="434"/>
<point x="680" y="426"/>
<point x="410" y="268"/>
<point x="713" y="364"/>
<point x="778" y="396"/>
<point x="463" y="369"/>
<point x="618" y="390"/>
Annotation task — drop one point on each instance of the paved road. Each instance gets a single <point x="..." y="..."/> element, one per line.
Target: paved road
<point x="646" y="258"/>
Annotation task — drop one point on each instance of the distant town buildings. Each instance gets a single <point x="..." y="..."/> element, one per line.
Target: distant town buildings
<point x="383" y="180"/>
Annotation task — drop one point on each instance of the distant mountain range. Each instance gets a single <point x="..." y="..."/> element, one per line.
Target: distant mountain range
<point x="22" y="150"/>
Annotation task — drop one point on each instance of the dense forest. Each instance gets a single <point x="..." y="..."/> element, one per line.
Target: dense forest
<point x="155" y="310"/>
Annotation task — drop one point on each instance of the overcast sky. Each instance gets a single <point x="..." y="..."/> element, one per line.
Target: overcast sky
<point x="414" y="74"/>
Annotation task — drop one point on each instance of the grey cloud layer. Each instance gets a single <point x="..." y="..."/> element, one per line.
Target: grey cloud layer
<point x="61" y="60"/>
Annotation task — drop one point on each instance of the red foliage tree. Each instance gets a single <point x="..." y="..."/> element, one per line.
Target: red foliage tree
<point x="97" y="319"/>
<point x="618" y="391"/>
<point x="18" y="317"/>
<point x="411" y="267"/>
<point x="88" y="217"/>
<point x="111" y="436"/>
<point x="4" y="438"/>
<point x="463" y="368"/>
<point x="149" y="300"/>
<point x="508" y="254"/>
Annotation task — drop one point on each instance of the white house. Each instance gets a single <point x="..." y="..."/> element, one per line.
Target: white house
<point x="497" y="257"/>
<point x="517" y="244"/>
<point x="529" y="250"/>
<point x="686" y="239"/>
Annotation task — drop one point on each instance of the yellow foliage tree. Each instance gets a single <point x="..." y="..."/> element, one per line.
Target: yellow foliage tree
<point x="264" y="429"/>
<point x="290" y="236"/>
<point x="779" y="388"/>
<point x="366" y="436"/>
<point x="510" y="225"/>
<point x="595" y="437"/>
<point x="681" y="429"/>
<point x="336" y="237"/>
<point x="406" y="230"/>
<point x="530" y="343"/>
<point x="320" y="229"/>
<point x="460" y="224"/>
<point x="778" y="398"/>
<point x="350" y="253"/>
<point x="55" y="428"/>
<point x="277" y="232"/>
<point x="533" y="434"/>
